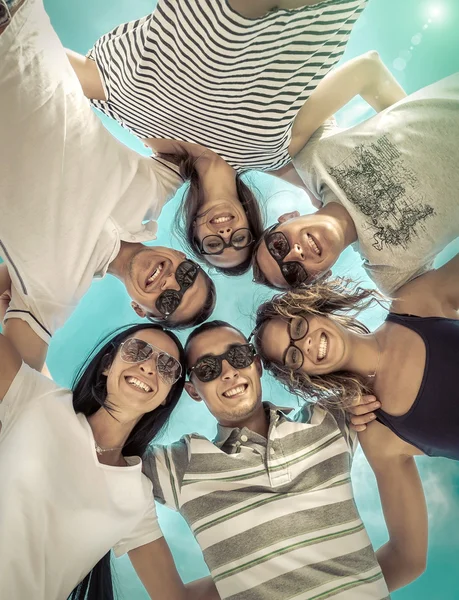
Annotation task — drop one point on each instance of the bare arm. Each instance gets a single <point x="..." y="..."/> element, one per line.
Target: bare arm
<point x="155" y="567"/>
<point x="258" y="8"/>
<point x="403" y="557"/>
<point x="290" y="174"/>
<point x="365" y="75"/>
<point x="26" y="342"/>
<point x="88" y="74"/>
<point x="5" y="280"/>
<point x="434" y="294"/>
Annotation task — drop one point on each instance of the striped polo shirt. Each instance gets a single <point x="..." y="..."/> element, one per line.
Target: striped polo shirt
<point x="275" y="518"/>
<point x="198" y="71"/>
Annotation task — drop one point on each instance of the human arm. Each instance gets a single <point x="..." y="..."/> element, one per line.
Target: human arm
<point x="5" y="280"/>
<point x="290" y="174"/>
<point x="155" y="567"/>
<point x="365" y="75"/>
<point x="433" y="294"/>
<point x="362" y="412"/>
<point x="259" y="8"/>
<point x="88" y="74"/>
<point x="403" y="557"/>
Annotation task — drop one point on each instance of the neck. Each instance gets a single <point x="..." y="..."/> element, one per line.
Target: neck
<point x="217" y="177"/>
<point x="257" y="422"/>
<point x="111" y="432"/>
<point x="365" y="356"/>
<point x="119" y="266"/>
<point x="343" y="221"/>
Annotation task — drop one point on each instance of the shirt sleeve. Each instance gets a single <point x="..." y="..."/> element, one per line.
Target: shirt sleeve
<point x="166" y="466"/>
<point x="168" y="181"/>
<point x="19" y="309"/>
<point x="147" y="530"/>
<point x="28" y="385"/>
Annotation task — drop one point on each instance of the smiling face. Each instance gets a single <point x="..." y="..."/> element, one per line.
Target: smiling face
<point x="151" y="271"/>
<point x="135" y="389"/>
<point x="314" y="241"/>
<point x="323" y="346"/>
<point x="223" y="218"/>
<point x="234" y="395"/>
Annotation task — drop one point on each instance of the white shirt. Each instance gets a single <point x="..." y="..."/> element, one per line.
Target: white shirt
<point x="69" y="191"/>
<point x="61" y="510"/>
<point x="396" y="174"/>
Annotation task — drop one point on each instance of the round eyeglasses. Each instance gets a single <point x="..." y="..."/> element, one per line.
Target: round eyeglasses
<point x="215" y="244"/>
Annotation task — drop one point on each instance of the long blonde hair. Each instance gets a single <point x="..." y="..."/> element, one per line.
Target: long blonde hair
<point x="335" y="300"/>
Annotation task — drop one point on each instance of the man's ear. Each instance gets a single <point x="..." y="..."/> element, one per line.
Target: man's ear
<point x="191" y="391"/>
<point x="287" y="216"/>
<point x="142" y="314"/>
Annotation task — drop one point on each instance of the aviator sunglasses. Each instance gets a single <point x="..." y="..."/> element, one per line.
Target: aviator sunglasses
<point x="215" y="244"/>
<point x="135" y="350"/>
<point x="278" y="246"/>
<point x="169" y="300"/>
<point x="208" y="368"/>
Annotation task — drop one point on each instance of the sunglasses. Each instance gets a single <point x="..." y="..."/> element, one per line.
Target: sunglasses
<point x="215" y="244"/>
<point x="298" y="328"/>
<point x="134" y="350"/>
<point x="169" y="300"/>
<point x="208" y="368"/>
<point x="278" y="246"/>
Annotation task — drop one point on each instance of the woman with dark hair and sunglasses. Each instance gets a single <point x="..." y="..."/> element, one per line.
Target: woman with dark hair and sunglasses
<point x="311" y="343"/>
<point x="71" y="472"/>
<point x="233" y="76"/>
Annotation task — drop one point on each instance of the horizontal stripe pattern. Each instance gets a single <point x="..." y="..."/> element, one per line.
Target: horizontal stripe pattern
<point x="197" y="71"/>
<point x="275" y="518"/>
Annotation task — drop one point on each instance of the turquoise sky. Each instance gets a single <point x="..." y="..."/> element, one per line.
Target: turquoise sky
<point x="419" y="41"/>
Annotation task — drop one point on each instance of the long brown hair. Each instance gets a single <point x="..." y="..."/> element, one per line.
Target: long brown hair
<point x="193" y="199"/>
<point x="335" y="300"/>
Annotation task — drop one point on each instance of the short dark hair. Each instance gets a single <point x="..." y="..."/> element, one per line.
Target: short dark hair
<point x="202" y="315"/>
<point x="193" y="199"/>
<point x="209" y="326"/>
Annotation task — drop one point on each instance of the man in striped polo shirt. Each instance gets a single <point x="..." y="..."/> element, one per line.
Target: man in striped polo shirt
<point x="270" y="501"/>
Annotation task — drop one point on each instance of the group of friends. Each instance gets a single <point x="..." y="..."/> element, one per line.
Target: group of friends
<point x="216" y="88"/>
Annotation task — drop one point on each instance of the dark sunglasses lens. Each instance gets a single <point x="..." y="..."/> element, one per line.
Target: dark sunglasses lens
<point x="294" y="274"/>
<point x="212" y="244"/>
<point x="134" y="350"/>
<point x="278" y="246"/>
<point x="186" y="273"/>
<point x="241" y="238"/>
<point x="169" y="368"/>
<point x="168" y="302"/>
<point x="240" y="357"/>
<point x="207" y="369"/>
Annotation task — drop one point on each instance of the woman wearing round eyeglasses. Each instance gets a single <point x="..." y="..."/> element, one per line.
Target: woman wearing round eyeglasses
<point x="72" y="483"/>
<point x="311" y="344"/>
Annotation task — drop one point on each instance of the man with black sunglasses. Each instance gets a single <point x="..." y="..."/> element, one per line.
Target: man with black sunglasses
<point x="270" y="500"/>
<point x="387" y="187"/>
<point x="75" y="203"/>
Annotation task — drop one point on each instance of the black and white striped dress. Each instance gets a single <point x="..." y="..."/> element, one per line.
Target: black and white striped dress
<point x="197" y="71"/>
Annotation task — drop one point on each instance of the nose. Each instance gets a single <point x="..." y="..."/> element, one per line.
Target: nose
<point x="295" y="254"/>
<point x="170" y="282"/>
<point x="225" y="232"/>
<point x="148" y="369"/>
<point x="307" y="345"/>
<point x="228" y="372"/>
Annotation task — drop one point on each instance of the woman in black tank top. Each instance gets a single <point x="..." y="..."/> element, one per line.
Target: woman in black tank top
<point x="309" y="341"/>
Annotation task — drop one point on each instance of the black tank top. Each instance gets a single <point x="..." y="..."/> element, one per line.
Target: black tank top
<point x="432" y="423"/>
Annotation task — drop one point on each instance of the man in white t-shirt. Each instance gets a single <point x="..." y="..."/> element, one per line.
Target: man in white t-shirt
<point x="74" y="202"/>
<point x="388" y="187"/>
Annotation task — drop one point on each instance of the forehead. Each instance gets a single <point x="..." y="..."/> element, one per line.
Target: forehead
<point x="275" y="338"/>
<point x="159" y="339"/>
<point x="215" y="341"/>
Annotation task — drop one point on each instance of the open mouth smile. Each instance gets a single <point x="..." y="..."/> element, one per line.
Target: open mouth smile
<point x="137" y="384"/>
<point x="236" y="391"/>
<point x="221" y="219"/>
<point x="323" y="347"/>
<point x="314" y="245"/>
<point x="154" y="276"/>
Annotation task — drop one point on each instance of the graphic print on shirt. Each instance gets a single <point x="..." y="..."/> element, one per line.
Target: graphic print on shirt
<point x="386" y="191"/>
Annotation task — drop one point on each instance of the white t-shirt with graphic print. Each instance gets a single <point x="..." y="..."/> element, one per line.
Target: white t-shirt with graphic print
<point x="397" y="176"/>
<point x="69" y="191"/>
<point x="61" y="510"/>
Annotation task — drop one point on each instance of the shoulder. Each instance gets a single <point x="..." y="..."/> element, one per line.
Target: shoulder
<point x="380" y="444"/>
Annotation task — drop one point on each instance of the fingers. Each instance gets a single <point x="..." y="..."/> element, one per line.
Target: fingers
<point x="362" y="412"/>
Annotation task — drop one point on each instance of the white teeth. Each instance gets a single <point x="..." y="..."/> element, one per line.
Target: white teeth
<point x="221" y="220"/>
<point x="138" y="384"/>
<point x="314" y="247"/>
<point x="156" y="273"/>
<point x="234" y="391"/>
<point x="323" y="347"/>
